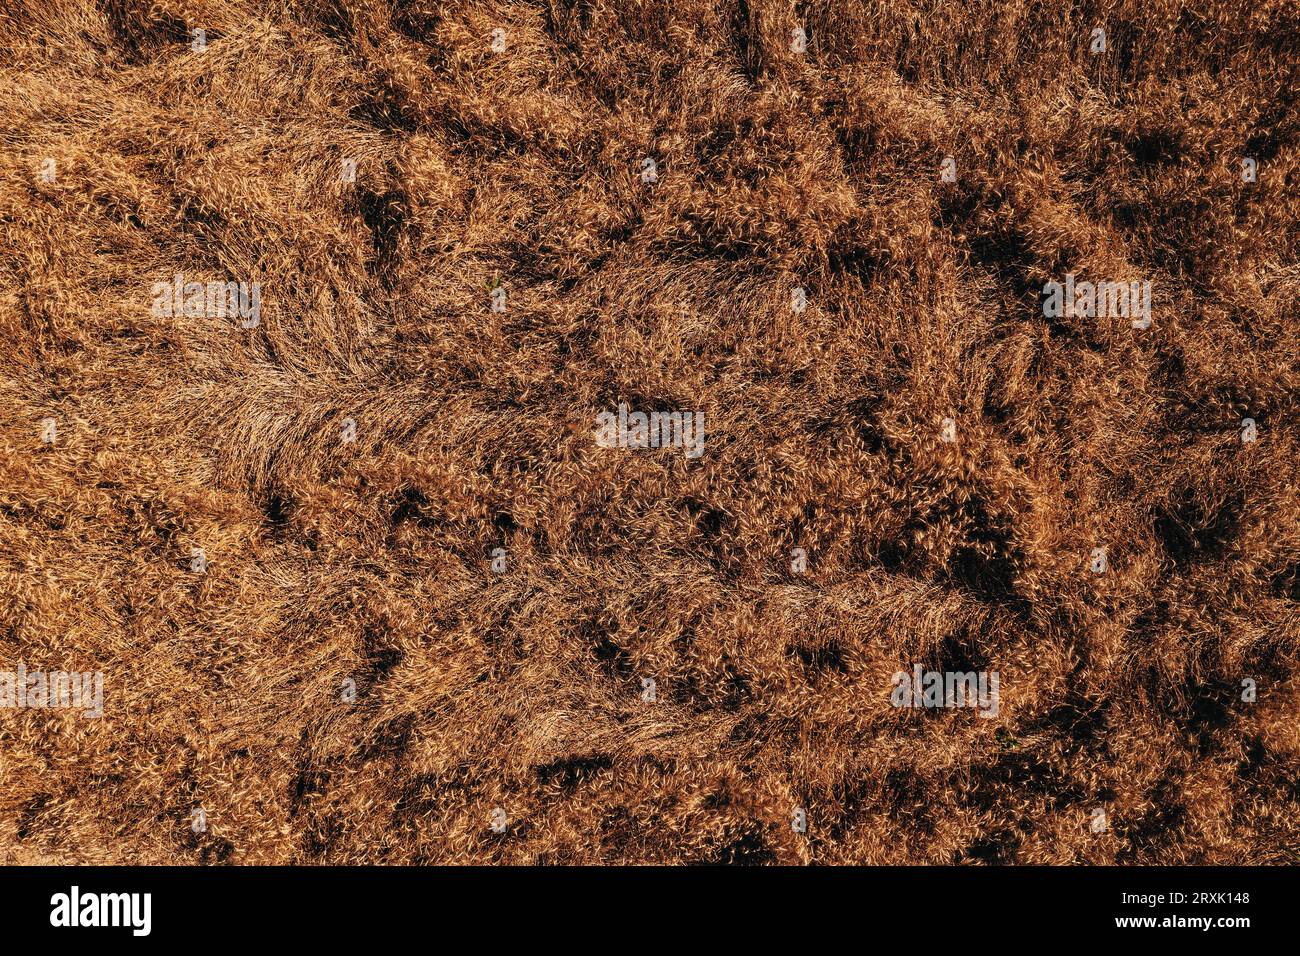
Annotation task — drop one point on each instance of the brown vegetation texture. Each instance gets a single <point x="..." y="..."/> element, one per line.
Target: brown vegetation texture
<point x="370" y="561"/>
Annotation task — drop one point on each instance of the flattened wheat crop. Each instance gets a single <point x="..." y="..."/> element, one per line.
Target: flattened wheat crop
<point x="340" y="348"/>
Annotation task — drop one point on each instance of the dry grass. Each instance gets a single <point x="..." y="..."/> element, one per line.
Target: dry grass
<point x="371" y="560"/>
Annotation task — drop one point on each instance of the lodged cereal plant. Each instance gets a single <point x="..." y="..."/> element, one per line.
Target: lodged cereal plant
<point x="616" y="431"/>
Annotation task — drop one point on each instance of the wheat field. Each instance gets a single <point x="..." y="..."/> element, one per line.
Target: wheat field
<point x="363" y="586"/>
